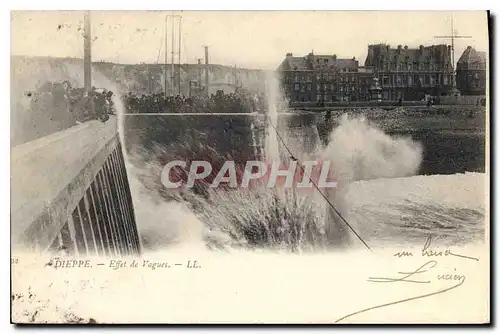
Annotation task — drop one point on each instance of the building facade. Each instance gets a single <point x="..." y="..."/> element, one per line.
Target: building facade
<point x="410" y="74"/>
<point x="319" y="78"/>
<point x="365" y="80"/>
<point x="471" y="72"/>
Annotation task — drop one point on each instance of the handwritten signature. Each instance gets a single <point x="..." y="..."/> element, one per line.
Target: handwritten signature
<point x="428" y="252"/>
<point x="414" y="276"/>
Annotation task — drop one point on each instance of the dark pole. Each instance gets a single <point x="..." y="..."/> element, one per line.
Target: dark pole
<point x="87" y="58"/>
<point x="180" y="41"/>
<point x="206" y="69"/>
<point x="165" y="78"/>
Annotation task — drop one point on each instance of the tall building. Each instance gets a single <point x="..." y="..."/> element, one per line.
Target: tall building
<point x="471" y="72"/>
<point x="365" y="79"/>
<point x="409" y="74"/>
<point x="319" y="78"/>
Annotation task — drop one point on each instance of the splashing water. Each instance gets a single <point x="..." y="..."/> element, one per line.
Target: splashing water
<point x="251" y="218"/>
<point x="272" y="150"/>
<point x="256" y="218"/>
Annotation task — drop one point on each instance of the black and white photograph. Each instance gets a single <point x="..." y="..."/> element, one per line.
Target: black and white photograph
<point x="250" y="167"/>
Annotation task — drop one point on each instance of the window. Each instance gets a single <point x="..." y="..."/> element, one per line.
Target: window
<point x="325" y="87"/>
<point x="318" y="97"/>
<point x="331" y="86"/>
<point x="318" y="77"/>
<point x="398" y="80"/>
<point x="309" y="86"/>
<point x="318" y="87"/>
<point x="410" y="80"/>
<point x="342" y="79"/>
<point x="302" y="88"/>
<point x="296" y="78"/>
<point x="297" y="87"/>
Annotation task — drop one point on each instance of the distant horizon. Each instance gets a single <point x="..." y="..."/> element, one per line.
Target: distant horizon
<point x="247" y="39"/>
<point x="360" y="61"/>
<point x="131" y="64"/>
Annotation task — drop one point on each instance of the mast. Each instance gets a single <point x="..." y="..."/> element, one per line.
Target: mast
<point x="180" y="37"/>
<point x="173" y="53"/>
<point x="199" y="72"/>
<point x="206" y="69"/>
<point x="87" y="55"/>
<point x="452" y="37"/>
<point x="166" y="56"/>
<point x="452" y="54"/>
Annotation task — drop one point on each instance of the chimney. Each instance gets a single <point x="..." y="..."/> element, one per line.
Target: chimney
<point x="289" y="54"/>
<point x="406" y="47"/>
<point x="421" y="48"/>
<point x="334" y="57"/>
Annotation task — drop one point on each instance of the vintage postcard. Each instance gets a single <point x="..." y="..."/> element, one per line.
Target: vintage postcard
<point x="241" y="167"/>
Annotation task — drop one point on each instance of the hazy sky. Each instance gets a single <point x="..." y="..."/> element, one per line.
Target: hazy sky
<point x="246" y="39"/>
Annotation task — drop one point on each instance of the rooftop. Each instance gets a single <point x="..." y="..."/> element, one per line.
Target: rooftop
<point x="384" y="52"/>
<point x="312" y="62"/>
<point x="470" y="55"/>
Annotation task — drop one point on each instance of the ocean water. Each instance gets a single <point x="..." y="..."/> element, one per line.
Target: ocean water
<point x="276" y="253"/>
<point x="379" y="162"/>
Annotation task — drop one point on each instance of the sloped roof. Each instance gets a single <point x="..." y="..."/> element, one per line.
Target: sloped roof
<point x="312" y="61"/>
<point x="379" y="52"/>
<point x="334" y="61"/>
<point x="483" y="55"/>
<point x="293" y="63"/>
<point x="470" y="55"/>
